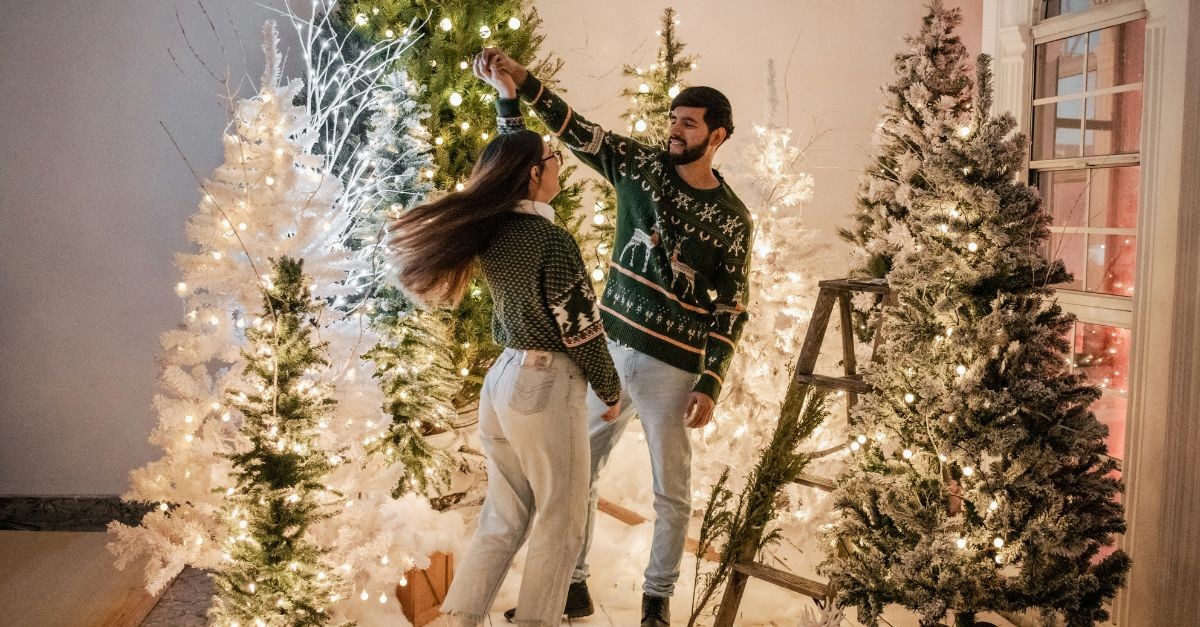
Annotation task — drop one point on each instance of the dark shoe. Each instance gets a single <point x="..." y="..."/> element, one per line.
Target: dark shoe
<point x="579" y="603"/>
<point x="656" y="611"/>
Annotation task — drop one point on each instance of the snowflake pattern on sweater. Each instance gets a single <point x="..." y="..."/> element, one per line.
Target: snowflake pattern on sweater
<point x="677" y="285"/>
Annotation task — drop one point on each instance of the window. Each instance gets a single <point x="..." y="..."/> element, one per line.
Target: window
<point x="1087" y="96"/>
<point x="1085" y="159"/>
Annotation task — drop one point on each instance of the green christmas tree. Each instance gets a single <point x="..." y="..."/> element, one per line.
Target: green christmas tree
<point x="415" y="368"/>
<point x="979" y="480"/>
<point x="273" y="573"/>
<point x="647" y="120"/>
<point x="445" y="36"/>
<point x="933" y="85"/>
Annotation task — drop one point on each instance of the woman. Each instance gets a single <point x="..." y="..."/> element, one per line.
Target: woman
<point x="532" y="410"/>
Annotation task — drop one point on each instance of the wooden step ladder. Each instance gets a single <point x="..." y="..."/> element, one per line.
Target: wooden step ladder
<point x="850" y="382"/>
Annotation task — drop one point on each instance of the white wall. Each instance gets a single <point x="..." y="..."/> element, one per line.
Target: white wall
<point x="843" y="53"/>
<point x="93" y="197"/>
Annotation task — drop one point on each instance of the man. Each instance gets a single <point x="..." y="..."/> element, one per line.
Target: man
<point x="674" y="306"/>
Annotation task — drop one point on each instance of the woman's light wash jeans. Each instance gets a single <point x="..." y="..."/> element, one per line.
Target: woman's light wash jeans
<point x="659" y="394"/>
<point x="533" y="427"/>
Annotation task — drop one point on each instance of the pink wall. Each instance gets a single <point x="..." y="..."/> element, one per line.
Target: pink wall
<point x="971" y="30"/>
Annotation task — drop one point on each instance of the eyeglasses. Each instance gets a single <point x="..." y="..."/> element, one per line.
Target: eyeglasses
<point x="556" y="155"/>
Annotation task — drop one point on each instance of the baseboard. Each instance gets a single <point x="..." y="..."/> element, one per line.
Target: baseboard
<point x="67" y="513"/>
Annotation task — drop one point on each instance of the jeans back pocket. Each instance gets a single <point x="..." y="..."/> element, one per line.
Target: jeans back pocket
<point x="530" y="392"/>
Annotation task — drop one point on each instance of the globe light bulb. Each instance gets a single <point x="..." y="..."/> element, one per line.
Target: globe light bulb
<point x="972" y="246"/>
<point x="909" y="398"/>
<point x="961" y="542"/>
<point x="485" y="31"/>
<point x="597" y="274"/>
<point x="673" y="91"/>
<point x="389" y="33"/>
<point x="456" y="99"/>
<point x="446" y="25"/>
<point x="514" y="23"/>
<point x="360" y="19"/>
<point x="907" y="454"/>
<point x="640" y="126"/>
<point x="961" y="370"/>
<point x="644" y="88"/>
<point x="964" y="131"/>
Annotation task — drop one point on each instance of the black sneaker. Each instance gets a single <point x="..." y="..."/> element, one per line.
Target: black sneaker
<point x="579" y="603"/>
<point x="656" y="611"/>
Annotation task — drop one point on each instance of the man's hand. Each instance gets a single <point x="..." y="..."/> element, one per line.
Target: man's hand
<point x="614" y="411"/>
<point x="494" y="76"/>
<point x="494" y="58"/>
<point x="699" y="411"/>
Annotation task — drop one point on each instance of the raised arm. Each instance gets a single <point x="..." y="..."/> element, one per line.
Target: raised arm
<point x="606" y="152"/>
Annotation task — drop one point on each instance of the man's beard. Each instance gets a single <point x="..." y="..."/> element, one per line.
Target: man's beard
<point x="689" y="154"/>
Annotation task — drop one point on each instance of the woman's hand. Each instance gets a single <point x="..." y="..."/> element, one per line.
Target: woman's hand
<point x="494" y="75"/>
<point x="613" y="412"/>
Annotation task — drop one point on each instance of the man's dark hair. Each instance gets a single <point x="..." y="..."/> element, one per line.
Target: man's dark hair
<point x="718" y="113"/>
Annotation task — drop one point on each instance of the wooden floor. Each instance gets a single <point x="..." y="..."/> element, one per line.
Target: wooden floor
<point x="57" y="578"/>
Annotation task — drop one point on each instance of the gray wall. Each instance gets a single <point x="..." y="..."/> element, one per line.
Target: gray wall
<point x="93" y="196"/>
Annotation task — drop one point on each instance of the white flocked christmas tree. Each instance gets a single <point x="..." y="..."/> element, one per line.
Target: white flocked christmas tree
<point x="278" y="193"/>
<point x="979" y="479"/>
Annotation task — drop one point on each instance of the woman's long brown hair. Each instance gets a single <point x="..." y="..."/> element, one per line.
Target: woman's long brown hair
<point x="435" y="246"/>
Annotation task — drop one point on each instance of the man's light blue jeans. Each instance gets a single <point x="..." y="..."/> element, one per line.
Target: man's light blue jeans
<point x="532" y="425"/>
<point x="658" y="393"/>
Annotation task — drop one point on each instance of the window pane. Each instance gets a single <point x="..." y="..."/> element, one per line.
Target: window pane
<point x="1059" y="67"/>
<point x="1115" y="55"/>
<point x="1071" y="248"/>
<point x="1064" y="196"/>
<point x="1057" y="128"/>
<point x="1114" y="197"/>
<point x="1055" y="8"/>
<point x="1114" y="124"/>
<point x="1102" y="353"/>
<point x="1110" y="411"/>
<point x="1110" y="264"/>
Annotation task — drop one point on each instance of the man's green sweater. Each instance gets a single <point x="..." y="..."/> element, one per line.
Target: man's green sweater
<point x="677" y="282"/>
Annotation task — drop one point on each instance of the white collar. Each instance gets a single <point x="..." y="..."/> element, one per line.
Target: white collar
<point x="535" y="207"/>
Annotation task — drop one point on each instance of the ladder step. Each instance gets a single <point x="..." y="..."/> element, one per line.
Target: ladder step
<point x="795" y="583"/>
<point x="848" y="384"/>
<point x="875" y="286"/>
<point x="813" y="481"/>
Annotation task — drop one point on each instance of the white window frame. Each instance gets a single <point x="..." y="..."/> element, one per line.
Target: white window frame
<point x="1088" y="307"/>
